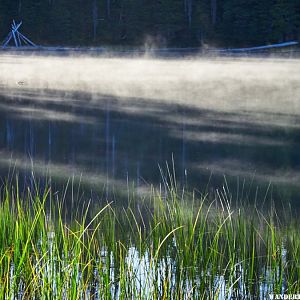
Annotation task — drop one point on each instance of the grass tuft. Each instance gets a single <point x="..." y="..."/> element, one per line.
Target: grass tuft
<point x="172" y="247"/>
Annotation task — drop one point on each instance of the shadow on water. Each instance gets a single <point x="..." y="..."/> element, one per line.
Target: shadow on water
<point x="109" y="141"/>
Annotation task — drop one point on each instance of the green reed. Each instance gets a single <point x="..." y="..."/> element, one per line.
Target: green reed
<point x="175" y="245"/>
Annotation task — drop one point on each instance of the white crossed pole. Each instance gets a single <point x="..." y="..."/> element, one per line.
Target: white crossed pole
<point x="17" y="36"/>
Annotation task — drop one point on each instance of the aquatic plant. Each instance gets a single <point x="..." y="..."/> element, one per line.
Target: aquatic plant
<point x="175" y="245"/>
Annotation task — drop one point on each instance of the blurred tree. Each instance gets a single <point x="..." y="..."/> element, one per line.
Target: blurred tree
<point x="160" y="22"/>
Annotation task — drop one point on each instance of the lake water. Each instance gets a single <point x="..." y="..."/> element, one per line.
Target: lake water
<point x="115" y="122"/>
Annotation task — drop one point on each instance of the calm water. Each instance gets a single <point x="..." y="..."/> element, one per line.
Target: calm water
<point x="113" y="122"/>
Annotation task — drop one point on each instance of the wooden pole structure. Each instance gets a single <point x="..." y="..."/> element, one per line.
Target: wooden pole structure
<point x="17" y="37"/>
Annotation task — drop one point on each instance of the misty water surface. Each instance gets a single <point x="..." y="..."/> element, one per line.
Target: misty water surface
<point x="114" y="121"/>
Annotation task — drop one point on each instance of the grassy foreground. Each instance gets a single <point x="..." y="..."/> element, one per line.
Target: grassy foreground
<point x="171" y="247"/>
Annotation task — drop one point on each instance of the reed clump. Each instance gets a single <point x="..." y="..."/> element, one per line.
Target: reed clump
<point x="171" y="246"/>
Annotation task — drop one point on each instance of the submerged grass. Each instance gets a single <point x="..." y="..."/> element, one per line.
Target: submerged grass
<point x="176" y="246"/>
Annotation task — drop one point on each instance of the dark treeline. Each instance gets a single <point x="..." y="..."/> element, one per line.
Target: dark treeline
<point x="159" y="22"/>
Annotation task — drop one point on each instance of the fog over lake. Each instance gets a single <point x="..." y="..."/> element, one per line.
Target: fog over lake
<point x="114" y="121"/>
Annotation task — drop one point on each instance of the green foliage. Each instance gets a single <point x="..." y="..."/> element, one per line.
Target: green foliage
<point x="173" y="247"/>
<point x="154" y="22"/>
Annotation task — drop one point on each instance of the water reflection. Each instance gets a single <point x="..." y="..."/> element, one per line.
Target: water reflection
<point x="113" y="141"/>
